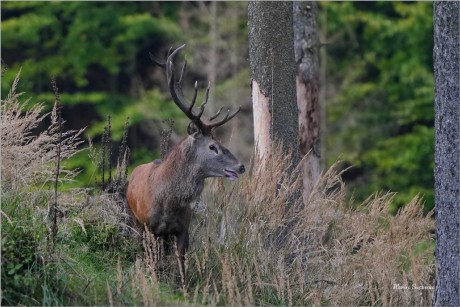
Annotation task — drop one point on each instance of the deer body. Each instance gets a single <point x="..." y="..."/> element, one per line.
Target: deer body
<point x="163" y="204"/>
<point x="160" y="193"/>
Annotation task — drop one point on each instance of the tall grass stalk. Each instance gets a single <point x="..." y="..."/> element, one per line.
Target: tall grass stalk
<point x="57" y="120"/>
<point x="27" y="157"/>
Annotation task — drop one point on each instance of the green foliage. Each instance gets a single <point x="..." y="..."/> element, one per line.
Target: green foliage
<point x="96" y="51"/>
<point x="18" y="272"/>
<point x="381" y="118"/>
<point x="21" y="261"/>
<point x="90" y="256"/>
<point x="77" y="37"/>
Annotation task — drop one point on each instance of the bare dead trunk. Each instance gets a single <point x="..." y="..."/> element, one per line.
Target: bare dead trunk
<point x="306" y="46"/>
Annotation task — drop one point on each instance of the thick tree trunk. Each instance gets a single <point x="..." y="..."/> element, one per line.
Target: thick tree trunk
<point x="271" y="56"/>
<point x="306" y="47"/>
<point x="447" y="152"/>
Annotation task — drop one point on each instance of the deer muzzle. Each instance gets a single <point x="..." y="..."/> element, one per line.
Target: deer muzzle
<point x="233" y="174"/>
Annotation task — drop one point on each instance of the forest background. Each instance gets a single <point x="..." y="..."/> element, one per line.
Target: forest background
<point x="376" y="79"/>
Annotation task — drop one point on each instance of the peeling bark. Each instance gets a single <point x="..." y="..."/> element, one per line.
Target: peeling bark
<point x="271" y="58"/>
<point x="262" y="120"/>
<point x="306" y="46"/>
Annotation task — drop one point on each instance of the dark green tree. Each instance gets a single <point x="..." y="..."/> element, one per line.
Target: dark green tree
<point x="98" y="53"/>
<point x="380" y="96"/>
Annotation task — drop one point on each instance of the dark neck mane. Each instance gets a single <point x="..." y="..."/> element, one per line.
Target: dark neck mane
<point x="181" y="174"/>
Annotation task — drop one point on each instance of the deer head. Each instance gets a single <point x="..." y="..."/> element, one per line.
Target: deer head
<point x="209" y="155"/>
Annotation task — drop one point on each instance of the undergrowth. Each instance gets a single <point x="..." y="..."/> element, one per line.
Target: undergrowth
<point x="253" y="242"/>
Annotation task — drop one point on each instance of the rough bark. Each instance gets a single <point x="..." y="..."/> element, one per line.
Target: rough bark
<point x="306" y="47"/>
<point x="271" y="56"/>
<point x="212" y="64"/>
<point x="447" y="152"/>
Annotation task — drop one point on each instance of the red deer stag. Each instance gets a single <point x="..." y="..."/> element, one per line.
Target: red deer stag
<point x="160" y="193"/>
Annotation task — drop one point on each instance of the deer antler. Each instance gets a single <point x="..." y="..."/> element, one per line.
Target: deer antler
<point x="175" y="87"/>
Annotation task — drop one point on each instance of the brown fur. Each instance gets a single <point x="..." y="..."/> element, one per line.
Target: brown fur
<point x="160" y="194"/>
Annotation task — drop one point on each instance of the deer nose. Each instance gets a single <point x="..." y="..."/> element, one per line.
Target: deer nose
<point x="242" y="169"/>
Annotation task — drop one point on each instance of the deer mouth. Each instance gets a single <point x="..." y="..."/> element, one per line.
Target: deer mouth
<point x="232" y="175"/>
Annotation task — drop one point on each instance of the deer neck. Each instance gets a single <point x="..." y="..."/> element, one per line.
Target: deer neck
<point x="185" y="177"/>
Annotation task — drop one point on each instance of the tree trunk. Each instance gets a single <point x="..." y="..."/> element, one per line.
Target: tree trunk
<point x="271" y="56"/>
<point x="306" y="47"/>
<point x="212" y="64"/>
<point x="447" y="152"/>
<point x="323" y="90"/>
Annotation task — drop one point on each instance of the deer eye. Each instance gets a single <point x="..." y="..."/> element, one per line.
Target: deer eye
<point x="212" y="147"/>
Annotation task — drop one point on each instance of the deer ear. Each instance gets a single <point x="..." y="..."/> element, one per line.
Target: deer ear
<point x="193" y="130"/>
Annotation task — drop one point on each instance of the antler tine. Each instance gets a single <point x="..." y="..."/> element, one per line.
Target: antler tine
<point x="227" y="117"/>
<point x="201" y="109"/>
<point x="169" y="52"/>
<point x="194" y="96"/>
<point x="205" y="101"/>
<point x="182" y="71"/>
<point x="175" y="88"/>
<point x="217" y="114"/>
<point x="170" y="59"/>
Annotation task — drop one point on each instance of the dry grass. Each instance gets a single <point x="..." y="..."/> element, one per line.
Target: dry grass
<point x="247" y="248"/>
<point x="27" y="158"/>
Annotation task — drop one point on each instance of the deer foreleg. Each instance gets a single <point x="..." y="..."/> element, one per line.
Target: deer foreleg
<point x="182" y="246"/>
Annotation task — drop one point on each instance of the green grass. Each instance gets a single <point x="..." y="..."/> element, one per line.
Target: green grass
<point x="79" y="269"/>
<point x="22" y="233"/>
